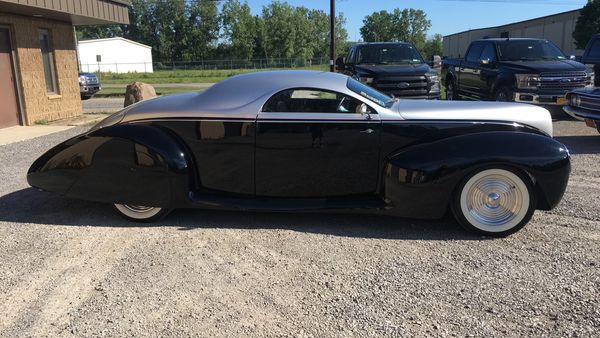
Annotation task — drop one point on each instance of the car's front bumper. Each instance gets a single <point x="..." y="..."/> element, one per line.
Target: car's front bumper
<point x="541" y="99"/>
<point x="89" y="89"/>
<point x="591" y="117"/>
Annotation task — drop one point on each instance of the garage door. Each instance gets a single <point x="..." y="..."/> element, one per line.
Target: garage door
<point x="9" y="114"/>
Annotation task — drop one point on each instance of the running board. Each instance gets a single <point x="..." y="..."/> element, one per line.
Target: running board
<point x="286" y="204"/>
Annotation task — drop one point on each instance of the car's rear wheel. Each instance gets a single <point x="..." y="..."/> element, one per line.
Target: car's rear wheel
<point x="137" y="213"/>
<point x="503" y="94"/>
<point x="495" y="201"/>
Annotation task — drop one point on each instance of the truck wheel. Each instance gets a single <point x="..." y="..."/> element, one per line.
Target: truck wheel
<point x="451" y="91"/>
<point x="504" y="94"/>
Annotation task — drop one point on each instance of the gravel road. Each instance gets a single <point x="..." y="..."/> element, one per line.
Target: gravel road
<point x="73" y="268"/>
<point x="103" y="105"/>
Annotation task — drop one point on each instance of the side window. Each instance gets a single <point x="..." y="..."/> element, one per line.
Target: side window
<point x="304" y="100"/>
<point x="351" y="56"/>
<point x="48" y="61"/>
<point x="489" y="52"/>
<point x="474" y="52"/>
<point x="595" y="49"/>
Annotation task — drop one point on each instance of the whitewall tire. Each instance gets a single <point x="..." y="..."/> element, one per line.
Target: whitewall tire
<point x="138" y="213"/>
<point x="494" y="201"/>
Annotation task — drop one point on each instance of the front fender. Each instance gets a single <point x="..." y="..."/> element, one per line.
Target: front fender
<point x="420" y="181"/>
<point x="130" y="163"/>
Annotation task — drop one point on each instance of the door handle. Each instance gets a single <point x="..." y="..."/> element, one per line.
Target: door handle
<point x="367" y="131"/>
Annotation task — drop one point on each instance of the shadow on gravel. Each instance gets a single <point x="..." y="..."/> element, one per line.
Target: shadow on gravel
<point x="581" y="144"/>
<point x="32" y="206"/>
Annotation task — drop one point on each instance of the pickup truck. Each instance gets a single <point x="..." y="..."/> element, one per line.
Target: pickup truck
<point x="522" y="70"/>
<point x="591" y="57"/>
<point x="394" y="68"/>
<point x="88" y="85"/>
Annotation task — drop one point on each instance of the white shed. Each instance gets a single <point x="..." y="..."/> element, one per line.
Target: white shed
<point x="117" y="55"/>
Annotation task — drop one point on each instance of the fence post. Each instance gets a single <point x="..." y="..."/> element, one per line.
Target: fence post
<point x="116" y="67"/>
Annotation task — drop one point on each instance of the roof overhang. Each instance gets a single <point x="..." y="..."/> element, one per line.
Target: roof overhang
<point x="76" y="12"/>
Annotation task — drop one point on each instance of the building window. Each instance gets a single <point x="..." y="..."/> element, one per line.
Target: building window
<point x="48" y="61"/>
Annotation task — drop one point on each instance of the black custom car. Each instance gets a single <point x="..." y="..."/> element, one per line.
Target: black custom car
<point x="299" y="140"/>
<point x="394" y="68"/>
<point x="521" y="70"/>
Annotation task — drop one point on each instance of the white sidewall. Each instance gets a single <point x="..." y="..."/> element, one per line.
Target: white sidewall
<point x="495" y="228"/>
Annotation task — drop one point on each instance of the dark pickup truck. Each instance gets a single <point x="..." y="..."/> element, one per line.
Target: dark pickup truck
<point x="591" y="57"/>
<point x="522" y="70"/>
<point x="395" y="68"/>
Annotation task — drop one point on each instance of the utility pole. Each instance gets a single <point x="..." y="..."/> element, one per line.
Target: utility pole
<point x="332" y="36"/>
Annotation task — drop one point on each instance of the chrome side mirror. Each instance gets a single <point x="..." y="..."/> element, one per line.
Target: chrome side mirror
<point x="484" y="62"/>
<point x="572" y="57"/>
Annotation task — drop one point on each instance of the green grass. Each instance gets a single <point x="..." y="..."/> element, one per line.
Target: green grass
<point x="183" y="76"/>
<point x="120" y="92"/>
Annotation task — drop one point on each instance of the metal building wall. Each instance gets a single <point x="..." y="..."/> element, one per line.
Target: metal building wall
<point x="558" y="28"/>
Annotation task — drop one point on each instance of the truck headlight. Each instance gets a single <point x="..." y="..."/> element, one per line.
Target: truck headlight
<point x="82" y="79"/>
<point x="527" y="81"/>
<point x="434" y="81"/>
<point x="575" y="100"/>
<point x="366" y="79"/>
<point x="591" y="79"/>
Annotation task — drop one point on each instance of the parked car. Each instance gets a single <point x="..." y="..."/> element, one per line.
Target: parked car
<point x="521" y="70"/>
<point x="584" y="104"/>
<point x="302" y="140"/>
<point x="394" y="68"/>
<point x="591" y="57"/>
<point x="89" y="85"/>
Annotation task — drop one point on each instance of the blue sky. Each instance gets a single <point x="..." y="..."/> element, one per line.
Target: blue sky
<point x="447" y="16"/>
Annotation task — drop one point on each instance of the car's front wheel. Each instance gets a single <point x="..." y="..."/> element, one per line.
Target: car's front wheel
<point x="495" y="201"/>
<point x="503" y="94"/>
<point x="137" y="213"/>
<point x="451" y="94"/>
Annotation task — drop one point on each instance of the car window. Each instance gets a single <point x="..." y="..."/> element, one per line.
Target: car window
<point x="595" y="49"/>
<point x="350" y="56"/>
<point x="306" y="100"/>
<point x="489" y="52"/>
<point x="369" y="93"/>
<point x="474" y="52"/>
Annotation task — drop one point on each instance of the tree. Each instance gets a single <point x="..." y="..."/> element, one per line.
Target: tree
<point x="410" y="25"/>
<point x="587" y="24"/>
<point x="98" y="32"/>
<point x="239" y="29"/>
<point x="433" y="46"/>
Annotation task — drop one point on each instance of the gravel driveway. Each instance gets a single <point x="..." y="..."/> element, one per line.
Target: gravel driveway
<point x="73" y="268"/>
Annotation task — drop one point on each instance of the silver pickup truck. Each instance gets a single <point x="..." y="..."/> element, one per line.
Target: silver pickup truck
<point x="88" y="85"/>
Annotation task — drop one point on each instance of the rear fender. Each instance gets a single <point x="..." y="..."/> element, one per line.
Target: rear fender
<point x="130" y="163"/>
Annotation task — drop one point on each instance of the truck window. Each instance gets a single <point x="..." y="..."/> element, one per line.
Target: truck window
<point x="474" y="52"/>
<point x="489" y="52"/>
<point x="595" y="49"/>
<point x="400" y="53"/>
<point x="529" y="50"/>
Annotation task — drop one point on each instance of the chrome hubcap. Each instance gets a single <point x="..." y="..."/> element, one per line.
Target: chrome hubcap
<point x="494" y="200"/>
<point x="138" y="208"/>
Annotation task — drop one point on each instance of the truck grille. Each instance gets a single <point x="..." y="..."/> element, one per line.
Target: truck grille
<point x="563" y="81"/>
<point x="403" y="86"/>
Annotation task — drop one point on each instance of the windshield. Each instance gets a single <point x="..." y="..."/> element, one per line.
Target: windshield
<point x="529" y="50"/>
<point x="388" y="54"/>
<point x="369" y="93"/>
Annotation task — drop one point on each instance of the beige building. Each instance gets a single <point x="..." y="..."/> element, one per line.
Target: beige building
<point x="38" y="61"/>
<point x="557" y="28"/>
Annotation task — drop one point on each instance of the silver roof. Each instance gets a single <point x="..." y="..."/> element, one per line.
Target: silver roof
<point x="240" y="96"/>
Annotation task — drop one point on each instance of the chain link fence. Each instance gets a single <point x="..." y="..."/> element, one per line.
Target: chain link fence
<point x="149" y="67"/>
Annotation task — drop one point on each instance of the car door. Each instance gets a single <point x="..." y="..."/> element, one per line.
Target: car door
<point x="313" y="143"/>
<point x="469" y="72"/>
<point x="488" y="71"/>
